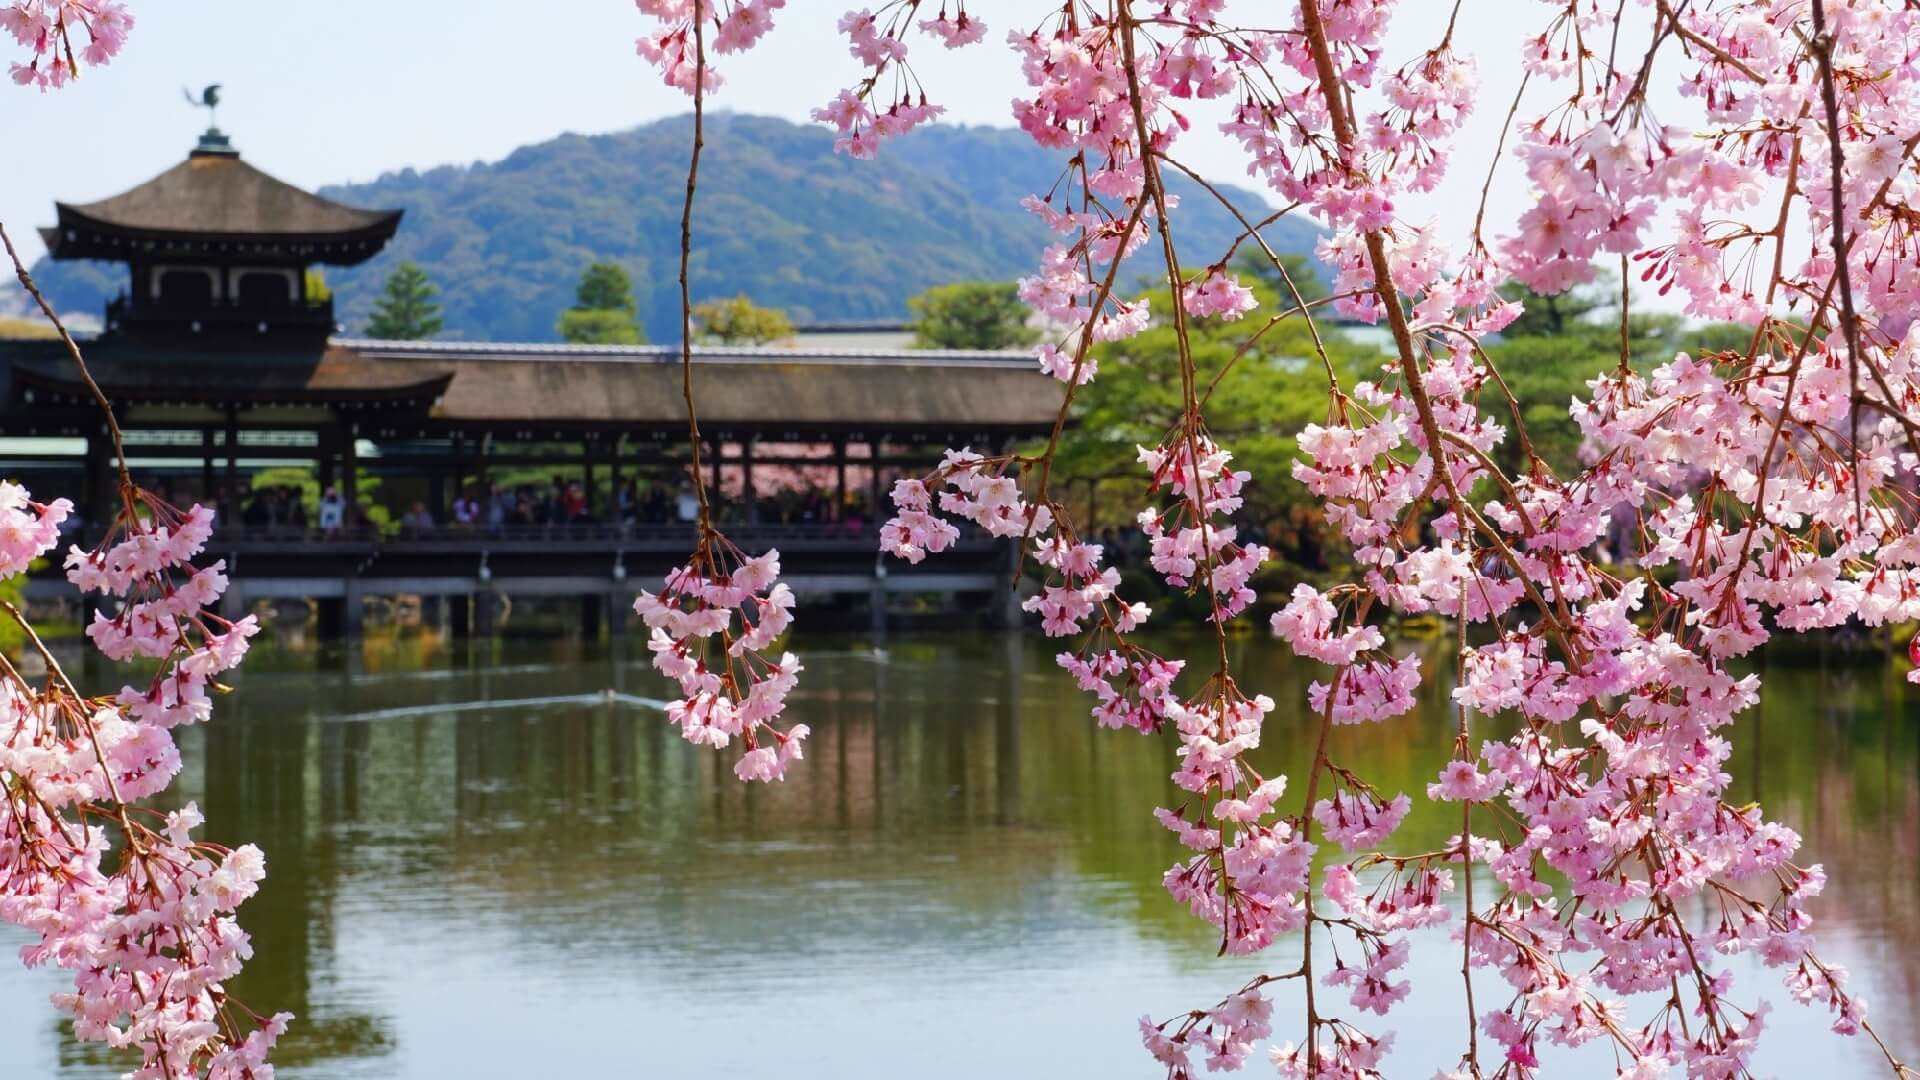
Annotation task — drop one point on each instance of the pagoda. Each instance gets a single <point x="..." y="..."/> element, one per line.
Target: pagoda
<point x="217" y="249"/>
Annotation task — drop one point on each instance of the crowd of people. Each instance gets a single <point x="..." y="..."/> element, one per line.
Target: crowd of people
<point x="288" y="508"/>
<point x="561" y="502"/>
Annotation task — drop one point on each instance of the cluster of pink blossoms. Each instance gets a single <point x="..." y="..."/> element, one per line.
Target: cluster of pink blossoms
<point x="1192" y="541"/>
<point x="1084" y="586"/>
<point x="152" y="940"/>
<point x="862" y="115"/>
<point x="731" y="687"/>
<point x="61" y="35"/>
<point x="972" y="488"/>
<point x="737" y="26"/>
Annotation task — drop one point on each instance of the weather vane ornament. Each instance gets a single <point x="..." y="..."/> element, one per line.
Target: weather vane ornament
<point x="209" y="100"/>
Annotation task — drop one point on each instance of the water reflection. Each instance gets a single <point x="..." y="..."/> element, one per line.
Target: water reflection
<point x="959" y="882"/>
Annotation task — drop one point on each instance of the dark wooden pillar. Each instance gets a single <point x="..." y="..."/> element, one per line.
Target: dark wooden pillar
<point x="613" y="482"/>
<point x="586" y="483"/>
<point x="840" y="489"/>
<point x="350" y="476"/>
<point x="206" y="469"/>
<point x="329" y="446"/>
<point x="459" y="463"/>
<point x="90" y="500"/>
<point x="233" y="462"/>
<point x="746" y="477"/>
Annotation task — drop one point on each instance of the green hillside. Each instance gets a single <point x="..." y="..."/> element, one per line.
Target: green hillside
<point x="780" y="217"/>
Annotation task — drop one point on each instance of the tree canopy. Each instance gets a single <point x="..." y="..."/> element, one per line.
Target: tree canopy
<point x="739" y="321"/>
<point x="971" y="315"/>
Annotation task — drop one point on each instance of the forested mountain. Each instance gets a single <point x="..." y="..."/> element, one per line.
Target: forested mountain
<point x="780" y="217"/>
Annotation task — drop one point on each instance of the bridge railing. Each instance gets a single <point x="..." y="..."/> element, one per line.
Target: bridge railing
<point x="840" y="538"/>
<point x="366" y="544"/>
<point x="574" y="532"/>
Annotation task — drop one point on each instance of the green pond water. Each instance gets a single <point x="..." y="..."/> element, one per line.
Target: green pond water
<point x="501" y="862"/>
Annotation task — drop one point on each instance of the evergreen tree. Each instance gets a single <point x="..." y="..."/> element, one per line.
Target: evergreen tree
<point x="406" y="310"/>
<point x="604" y="286"/>
<point x="603" y="309"/>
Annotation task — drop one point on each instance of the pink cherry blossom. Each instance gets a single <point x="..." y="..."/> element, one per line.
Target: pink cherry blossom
<point x="58" y="34"/>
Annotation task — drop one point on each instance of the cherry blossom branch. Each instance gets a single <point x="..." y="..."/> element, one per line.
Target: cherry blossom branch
<point x="1822" y="47"/>
<point x="698" y="92"/>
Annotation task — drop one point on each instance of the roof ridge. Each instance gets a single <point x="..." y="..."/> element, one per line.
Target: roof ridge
<point x="481" y="350"/>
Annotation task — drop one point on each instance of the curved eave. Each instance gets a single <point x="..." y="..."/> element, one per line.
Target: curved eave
<point x="53" y="391"/>
<point x="82" y="236"/>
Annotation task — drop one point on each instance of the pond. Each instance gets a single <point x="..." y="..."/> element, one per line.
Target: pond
<point x="502" y="862"/>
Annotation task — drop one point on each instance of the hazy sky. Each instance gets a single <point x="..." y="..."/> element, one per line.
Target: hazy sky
<point x="320" y="92"/>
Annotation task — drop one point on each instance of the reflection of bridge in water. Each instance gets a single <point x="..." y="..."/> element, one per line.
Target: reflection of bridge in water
<point x="478" y="569"/>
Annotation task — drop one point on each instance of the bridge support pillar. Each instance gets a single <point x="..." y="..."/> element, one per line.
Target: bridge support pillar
<point x="354" y="611"/>
<point x="460" y="615"/>
<point x="1004" y="605"/>
<point x="618" y="608"/>
<point x="233" y="602"/>
<point x="877" y="598"/>
<point x="590" y="606"/>
<point x="331" y="616"/>
<point x="485" y="604"/>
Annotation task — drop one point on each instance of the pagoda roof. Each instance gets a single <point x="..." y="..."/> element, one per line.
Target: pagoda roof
<point x="214" y="203"/>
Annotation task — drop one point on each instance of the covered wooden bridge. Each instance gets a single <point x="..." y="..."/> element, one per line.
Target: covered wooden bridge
<point x="425" y="424"/>
<point x="232" y="388"/>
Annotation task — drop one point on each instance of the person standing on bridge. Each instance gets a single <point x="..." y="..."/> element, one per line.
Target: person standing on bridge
<point x="332" y="509"/>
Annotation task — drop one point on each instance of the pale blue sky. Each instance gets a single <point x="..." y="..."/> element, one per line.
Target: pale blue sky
<point x="320" y="91"/>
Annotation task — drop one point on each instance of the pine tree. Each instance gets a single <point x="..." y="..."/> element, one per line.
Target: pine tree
<point x="406" y="310"/>
<point x="604" y="286"/>
<point x="603" y="309"/>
